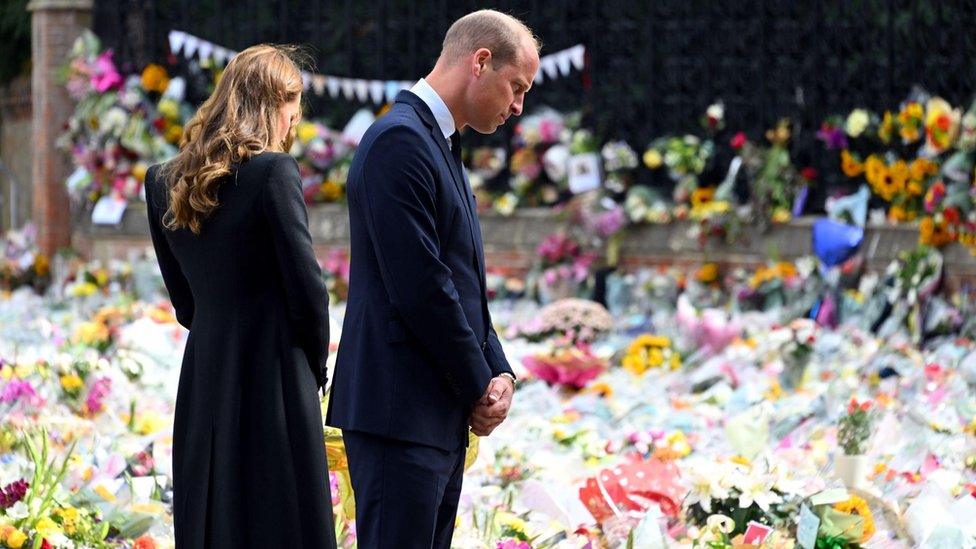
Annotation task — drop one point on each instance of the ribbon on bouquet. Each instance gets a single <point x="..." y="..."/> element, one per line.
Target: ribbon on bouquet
<point x="551" y="67"/>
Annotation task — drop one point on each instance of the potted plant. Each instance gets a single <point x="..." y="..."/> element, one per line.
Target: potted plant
<point x="852" y="436"/>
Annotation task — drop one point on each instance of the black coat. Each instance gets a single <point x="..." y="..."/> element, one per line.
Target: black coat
<point x="417" y="348"/>
<point x="249" y="464"/>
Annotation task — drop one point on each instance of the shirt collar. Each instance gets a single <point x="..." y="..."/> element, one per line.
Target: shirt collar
<point x="442" y="114"/>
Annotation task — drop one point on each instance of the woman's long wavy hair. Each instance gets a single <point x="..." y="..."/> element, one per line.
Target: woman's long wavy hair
<point x="236" y="122"/>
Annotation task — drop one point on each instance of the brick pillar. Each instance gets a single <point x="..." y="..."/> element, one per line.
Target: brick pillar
<point x="55" y="24"/>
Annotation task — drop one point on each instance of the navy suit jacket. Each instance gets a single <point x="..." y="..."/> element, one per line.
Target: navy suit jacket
<point x="417" y="348"/>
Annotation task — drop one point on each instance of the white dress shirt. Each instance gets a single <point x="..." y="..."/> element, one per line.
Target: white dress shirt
<point x="442" y="114"/>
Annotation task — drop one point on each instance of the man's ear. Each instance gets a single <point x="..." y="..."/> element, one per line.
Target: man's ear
<point x="483" y="61"/>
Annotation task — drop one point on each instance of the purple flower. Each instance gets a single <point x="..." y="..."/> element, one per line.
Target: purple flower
<point x="832" y="136"/>
<point x="610" y="221"/>
<point x="12" y="493"/>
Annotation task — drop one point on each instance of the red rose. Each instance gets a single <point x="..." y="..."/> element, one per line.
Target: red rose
<point x="738" y="140"/>
<point x="808" y="173"/>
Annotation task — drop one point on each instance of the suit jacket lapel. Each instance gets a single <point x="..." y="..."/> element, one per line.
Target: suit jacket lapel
<point x="479" y="247"/>
<point x="457" y="174"/>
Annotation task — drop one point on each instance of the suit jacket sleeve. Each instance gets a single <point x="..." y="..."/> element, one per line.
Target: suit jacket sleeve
<point x="495" y="355"/>
<point x="398" y="197"/>
<point x="176" y="283"/>
<point x="306" y="298"/>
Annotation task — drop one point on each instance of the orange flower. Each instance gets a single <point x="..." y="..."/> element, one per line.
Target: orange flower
<point x="934" y="234"/>
<point x="874" y="170"/>
<point x="144" y="542"/>
<point x="849" y="165"/>
<point x="707" y="274"/>
<point x="921" y="168"/>
<point x="155" y="78"/>
<point x="899" y="175"/>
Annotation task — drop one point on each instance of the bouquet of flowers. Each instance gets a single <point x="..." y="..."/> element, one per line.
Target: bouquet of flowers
<point x="648" y="352"/>
<point x="686" y="157"/>
<point x="795" y="347"/>
<point x="570" y="326"/>
<point x="911" y="281"/>
<point x="563" y="267"/>
<point x="845" y="524"/>
<point x="323" y="161"/>
<point x="644" y="205"/>
<point x="120" y="125"/>
<point x="619" y="163"/>
<point x="538" y="166"/>
<point x="568" y="321"/>
<point x="775" y="183"/>
<point x="915" y="181"/>
<point x="21" y="264"/>
<point x="737" y="489"/>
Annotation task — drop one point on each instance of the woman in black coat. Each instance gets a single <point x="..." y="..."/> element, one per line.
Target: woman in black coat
<point x="230" y="229"/>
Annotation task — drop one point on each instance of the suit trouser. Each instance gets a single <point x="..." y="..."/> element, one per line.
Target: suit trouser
<point x="406" y="494"/>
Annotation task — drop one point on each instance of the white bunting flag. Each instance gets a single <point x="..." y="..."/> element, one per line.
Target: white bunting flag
<point x="205" y="50"/>
<point x="176" y="41"/>
<point x="318" y="83"/>
<point x="551" y="66"/>
<point x="392" y="89"/>
<point x="190" y="46"/>
<point x="348" y="86"/>
<point x="376" y="91"/>
<point x="332" y="84"/>
<point x="548" y="64"/>
<point x="577" y="55"/>
<point x="362" y="90"/>
<point x="563" y="61"/>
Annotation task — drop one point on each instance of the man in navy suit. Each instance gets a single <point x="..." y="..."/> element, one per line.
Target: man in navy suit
<point x="419" y="362"/>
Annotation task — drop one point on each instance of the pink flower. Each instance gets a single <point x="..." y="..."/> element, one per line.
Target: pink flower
<point x="104" y="75"/>
<point x="738" y="140"/>
<point x="21" y="390"/>
<point x="512" y="544"/>
<point x="574" y="367"/>
<point x="100" y="389"/>
<point x="334" y="488"/>
<point x="337" y="263"/>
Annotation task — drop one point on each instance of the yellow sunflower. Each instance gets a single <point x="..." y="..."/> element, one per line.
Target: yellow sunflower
<point x="874" y="170"/>
<point x="702" y="196"/>
<point x="858" y="506"/>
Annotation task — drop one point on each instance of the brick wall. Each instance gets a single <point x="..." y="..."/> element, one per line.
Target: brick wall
<point x="55" y="25"/>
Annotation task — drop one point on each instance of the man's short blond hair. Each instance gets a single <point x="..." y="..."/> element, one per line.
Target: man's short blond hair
<point x="500" y="33"/>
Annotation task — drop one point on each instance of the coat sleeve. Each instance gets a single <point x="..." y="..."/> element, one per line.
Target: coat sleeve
<point x="176" y="284"/>
<point x="495" y="355"/>
<point x="397" y="195"/>
<point x="306" y="298"/>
